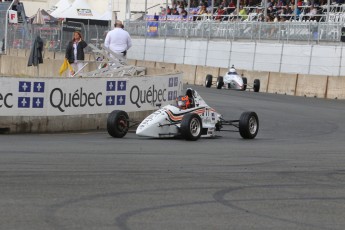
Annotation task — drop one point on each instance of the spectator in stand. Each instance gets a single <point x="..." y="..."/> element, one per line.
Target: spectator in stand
<point x="220" y="13"/>
<point x="260" y="15"/>
<point x="184" y="14"/>
<point x="204" y="3"/>
<point x="194" y="4"/>
<point x="231" y="7"/>
<point x="168" y="11"/>
<point x="175" y="12"/>
<point x="295" y="12"/>
<point x="243" y="13"/>
<point x="299" y="3"/>
<point x="232" y="4"/>
<point x="202" y="12"/>
<point x="223" y="3"/>
<point x="312" y="13"/>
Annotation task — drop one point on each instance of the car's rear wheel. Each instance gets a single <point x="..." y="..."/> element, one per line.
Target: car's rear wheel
<point x="191" y="126"/>
<point x="208" y="81"/>
<point x="249" y="125"/>
<point x="220" y="82"/>
<point x="256" y="85"/>
<point x="244" y="83"/>
<point x="118" y="123"/>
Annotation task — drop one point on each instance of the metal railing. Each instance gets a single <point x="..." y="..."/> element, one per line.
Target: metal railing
<point x="305" y="32"/>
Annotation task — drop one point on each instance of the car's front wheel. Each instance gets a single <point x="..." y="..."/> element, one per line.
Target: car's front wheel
<point x="249" y="125"/>
<point x="244" y="79"/>
<point x="256" y="85"/>
<point x="220" y="82"/>
<point x="208" y="81"/>
<point x="118" y="123"/>
<point x="191" y="126"/>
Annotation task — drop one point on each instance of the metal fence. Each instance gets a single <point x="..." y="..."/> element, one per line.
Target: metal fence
<point x="3" y="15"/>
<point x="54" y="37"/>
<point x="306" y="32"/>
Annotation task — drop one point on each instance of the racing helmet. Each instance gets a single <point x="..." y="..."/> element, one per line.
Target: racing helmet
<point x="183" y="102"/>
<point x="232" y="70"/>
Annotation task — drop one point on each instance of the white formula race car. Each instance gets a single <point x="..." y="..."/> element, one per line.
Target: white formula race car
<point x="232" y="80"/>
<point x="197" y="120"/>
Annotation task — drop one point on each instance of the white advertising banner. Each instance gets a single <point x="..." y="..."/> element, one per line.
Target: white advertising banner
<point x="12" y="16"/>
<point x="77" y="96"/>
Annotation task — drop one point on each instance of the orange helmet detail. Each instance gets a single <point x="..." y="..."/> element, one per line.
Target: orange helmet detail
<point x="183" y="102"/>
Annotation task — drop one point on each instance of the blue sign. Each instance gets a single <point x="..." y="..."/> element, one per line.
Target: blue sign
<point x="39" y="87"/>
<point x="37" y="102"/>
<point x="170" y="95"/>
<point x="24" y="86"/>
<point x="152" y="29"/>
<point x="110" y="100"/>
<point x="176" y="81"/>
<point x="121" y="86"/>
<point x="23" y="102"/>
<point x="171" y="82"/>
<point x="121" y="100"/>
<point x="111" y="85"/>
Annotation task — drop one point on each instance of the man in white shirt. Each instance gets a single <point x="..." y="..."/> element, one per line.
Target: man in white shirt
<point x="118" y="40"/>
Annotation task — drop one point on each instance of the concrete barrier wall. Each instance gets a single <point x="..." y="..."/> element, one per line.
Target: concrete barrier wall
<point x="261" y="75"/>
<point x="335" y="88"/>
<point x="280" y="83"/>
<point x="15" y="64"/>
<point x="311" y="86"/>
<point x="189" y="72"/>
<point x="45" y="124"/>
<point x="202" y="71"/>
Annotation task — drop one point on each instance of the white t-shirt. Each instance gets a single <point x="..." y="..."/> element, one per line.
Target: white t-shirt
<point x="118" y="40"/>
<point x="75" y="51"/>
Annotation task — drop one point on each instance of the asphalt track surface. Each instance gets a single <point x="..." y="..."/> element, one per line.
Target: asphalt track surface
<point x="292" y="176"/>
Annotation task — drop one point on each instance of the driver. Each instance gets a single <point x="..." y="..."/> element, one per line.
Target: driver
<point x="183" y="102"/>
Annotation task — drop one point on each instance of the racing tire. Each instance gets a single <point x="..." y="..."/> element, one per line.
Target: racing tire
<point x="244" y="83"/>
<point x="220" y="82"/>
<point x="118" y="123"/>
<point x="191" y="127"/>
<point x="208" y="81"/>
<point x="256" y="86"/>
<point x="249" y="125"/>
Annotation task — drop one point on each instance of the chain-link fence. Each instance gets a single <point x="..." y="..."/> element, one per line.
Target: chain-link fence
<point x="3" y="15"/>
<point x="55" y="37"/>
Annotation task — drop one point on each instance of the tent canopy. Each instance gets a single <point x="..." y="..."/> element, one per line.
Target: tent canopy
<point x="60" y="7"/>
<point x="43" y="17"/>
<point x="80" y="9"/>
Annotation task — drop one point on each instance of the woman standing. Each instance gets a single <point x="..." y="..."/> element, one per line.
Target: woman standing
<point x="75" y="52"/>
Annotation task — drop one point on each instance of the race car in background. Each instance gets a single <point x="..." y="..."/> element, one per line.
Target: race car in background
<point x="191" y="118"/>
<point x="232" y="80"/>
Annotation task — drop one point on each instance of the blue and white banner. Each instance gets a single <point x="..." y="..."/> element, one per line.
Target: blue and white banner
<point x="78" y="96"/>
<point x="152" y="29"/>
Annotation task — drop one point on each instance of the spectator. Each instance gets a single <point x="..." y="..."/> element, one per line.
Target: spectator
<point x="168" y="11"/>
<point x="75" y="52"/>
<point x="220" y="13"/>
<point x="184" y="14"/>
<point x="202" y="12"/>
<point x="243" y="13"/>
<point x="118" y="40"/>
<point x="194" y="4"/>
<point x="175" y="12"/>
